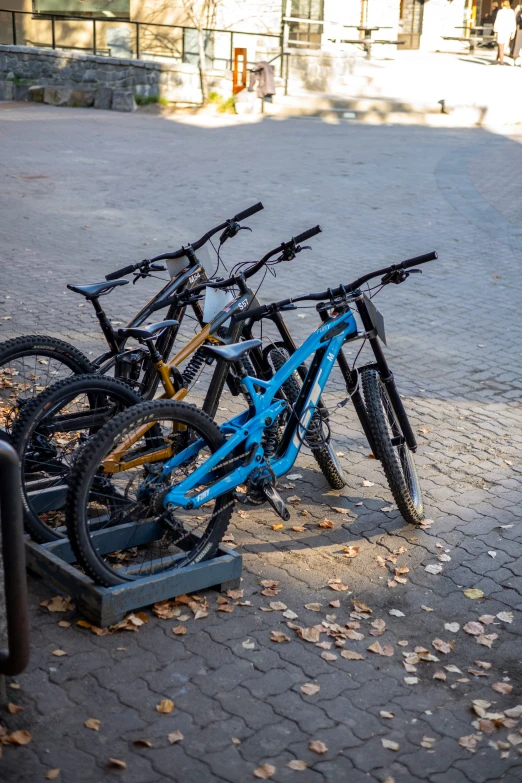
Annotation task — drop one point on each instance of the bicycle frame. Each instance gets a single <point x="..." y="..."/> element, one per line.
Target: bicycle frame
<point x="246" y="429"/>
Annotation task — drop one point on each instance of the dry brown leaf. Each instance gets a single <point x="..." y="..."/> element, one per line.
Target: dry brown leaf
<point x="336" y="604"/>
<point x="442" y="647"/>
<point x="478" y="673"/>
<point x="351" y="655"/>
<point x="310" y="688"/>
<point x="59" y="653"/>
<point x="179" y="630"/>
<point x="426" y="608"/>
<point x="278" y="526"/>
<point x="361" y="607"/>
<point x="317" y="747"/>
<point x="15" y="685"/>
<point x="379" y="627"/>
<point x="502" y="687"/>
<point x="338" y="586"/>
<point x="224" y="608"/>
<point x="146" y="743"/>
<point x="268" y="583"/>
<point x="293" y="499"/>
<point x="400" y="570"/>
<point x="265" y="771"/>
<point x="312" y="634"/>
<point x="487" y="639"/>
<point x="473" y="629"/>
<point x="92" y="723"/>
<point x="385" y="714"/>
<point x="116" y="763"/>
<point x="389" y="744"/>
<point x="481" y="707"/>
<point x="59" y="603"/>
<point x="298" y="529"/>
<point x="474" y="593"/>
<point x="313" y="607"/>
<point x="339" y="510"/>
<point x="165" y="610"/>
<point x="279" y="637"/>
<point x="326" y="524"/>
<point x="487" y="726"/>
<point x="165" y="706"/>
<point x="14" y="709"/>
<point x="53" y="774"/>
<point x="354" y="636"/>
<point x="376" y="647"/>
<point x="175" y="736"/>
<point x="278" y="606"/>
<point x="487" y="619"/>
<point x="452" y="627"/>
<point x="297" y="765"/>
<point x="20" y="737"/>
<point x="469" y="742"/>
<point x="506" y="617"/>
<point x="66" y="624"/>
<point x="328" y="656"/>
<point x="270" y="592"/>
<point x="440" y="675"/>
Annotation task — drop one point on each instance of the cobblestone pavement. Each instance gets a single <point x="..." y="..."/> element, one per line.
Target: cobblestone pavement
<point x="83" y="193"/>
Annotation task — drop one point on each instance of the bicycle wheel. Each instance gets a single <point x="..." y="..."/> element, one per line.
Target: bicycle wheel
<point x="47" y="435"/>
<point x="392" y="449"/>
<point x="323" y="453"/>
<point x="117" y="525"/>
<point x="28" y="365"/>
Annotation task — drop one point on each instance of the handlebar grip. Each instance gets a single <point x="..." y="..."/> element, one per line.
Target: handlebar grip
<point x="256" y="312"/>
<point x="125" y="271"/>
<point x="307" y="234"/>
<point x="419" y="260"/>
<point x="248" y="212"/>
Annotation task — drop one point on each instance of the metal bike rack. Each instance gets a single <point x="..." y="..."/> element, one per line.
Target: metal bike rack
<point x="15" y="659"/>
<point x="104" y="606"/>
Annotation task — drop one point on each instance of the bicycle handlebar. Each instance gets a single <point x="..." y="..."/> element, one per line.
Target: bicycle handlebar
<point x="288" y="304"/>
<point x="127" y="270"/>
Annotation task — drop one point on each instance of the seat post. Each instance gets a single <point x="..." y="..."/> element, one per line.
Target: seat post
<point x="105" y="324"/>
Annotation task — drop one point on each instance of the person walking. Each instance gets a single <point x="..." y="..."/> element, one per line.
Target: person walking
<point x="505" y="27"/>
<point x="516" y="43"/>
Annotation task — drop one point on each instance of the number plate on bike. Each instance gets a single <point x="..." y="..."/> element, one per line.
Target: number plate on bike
<point x="377" y="319"/>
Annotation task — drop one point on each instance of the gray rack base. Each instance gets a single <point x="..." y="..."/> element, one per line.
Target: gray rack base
<point x="104" y="606"/>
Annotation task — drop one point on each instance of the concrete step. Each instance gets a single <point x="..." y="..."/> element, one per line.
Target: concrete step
<point x="319" y="105"/>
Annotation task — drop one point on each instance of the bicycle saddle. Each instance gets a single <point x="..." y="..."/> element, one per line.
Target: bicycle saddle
<point x="230" y="353"/>
<point x="146" y="332"/>
<point x="92" y="290"/>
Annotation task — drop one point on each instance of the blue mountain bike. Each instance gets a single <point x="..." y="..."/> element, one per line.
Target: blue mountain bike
<point x="162" y="477"/>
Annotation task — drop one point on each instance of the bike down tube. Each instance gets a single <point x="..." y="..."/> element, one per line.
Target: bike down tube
<point x="386" y="374"/>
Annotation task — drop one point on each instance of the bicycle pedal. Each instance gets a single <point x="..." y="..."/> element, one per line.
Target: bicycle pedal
<point x="276" y="501"/>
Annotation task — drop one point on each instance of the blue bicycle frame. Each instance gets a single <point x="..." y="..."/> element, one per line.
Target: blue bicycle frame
<point x="246" y="429"/>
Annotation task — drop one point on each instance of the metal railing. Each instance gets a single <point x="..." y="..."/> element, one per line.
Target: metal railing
<point x="15" y="659"/>
<point x="140" y="35"/>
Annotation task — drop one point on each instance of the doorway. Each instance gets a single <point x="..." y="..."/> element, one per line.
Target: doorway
<point x="411" y="15"/>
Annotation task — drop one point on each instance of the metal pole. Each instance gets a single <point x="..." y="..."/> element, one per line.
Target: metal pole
<point x="231" y="50"/>
<point x="53" y="34"/>
<point x="182" y="44"/>
<point x="137" y="40"/>
<point x="94" y="36"/>
<point x="14" y="27"/>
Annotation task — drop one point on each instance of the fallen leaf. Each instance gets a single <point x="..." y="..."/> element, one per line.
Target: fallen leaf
<point x="328" y="656"/>
<point x="248" y="645"/>
<point x="514" y="712"/>
<point x="277" y="606"/>
<point x="269" y="592"/>
<point x="312" y="634"/>
<point x="235" y="595"/>
<point x="351" y="551"/>
<point x="354" y="636"/>
<point x="361" y="607"/>
<point x="52" y="774"/>
<point x="351" y="655"/>
<point x="506" y="617"/>
<point x="426" y="608"/>
<point x="452" y="627"/>
<point x="473" y="628"/>
<point x="294" y="476"/>
<point x="15" y="685"/>
<point x="396" y="613"/>
<point x="439" y="675"/>
<point x="313" y="607"/>
<point x="297" y="765"/>
<point x="443" y="647"/>
<point x="278" y="526"/>
<point x="66" y="624"/>
<point x="317" y="747"/>
<point x="310" y="688"/>
<point x="469" y="742"/>
<point x="388" y="715"/>
<point x="165" y="610"/>
<point x="481" y="706"/>
<point x="20" y="737"/>
<point x="298" y="529"/>
<point x="411" y="680"/>
<point x="338" y="586"/>
<point x="433" y="568"/>
<point x="59" y="653"/>
<point x="452" y="668"/>
<point x="444" y="558"/>
<point x="293" y="499"/>
<point x="179" y="630"/>
<point x="368" y="483"/>
<point x="381" y="562"/>
<point x="487" y="726"/>
<point x="14" y="709"/>
<point x="326" y="524"/>
<point x="175" y="736"/>
<point x="379" y="627"/>
<point x="142" y="742"/>
<point x="165" y="706"/>
<point x="386" y="650"/>
<point x="502" y="687"/>
<point x="335" y="604"/>
<point x="290" y="615"/>
<point x="92" y="723"/>
<point x="279" y="637"/>
<point x="484" y="664"/>
<point x="268" y="583"/>
<point x="59" y="603"/>
<point x="492" y="553"/>
<point x="487" y="639"/>
<point x="117" y="763"/>
<point x="473" y="593"/>
<point x="389" y="744"/>
<point x="340" y="510"/>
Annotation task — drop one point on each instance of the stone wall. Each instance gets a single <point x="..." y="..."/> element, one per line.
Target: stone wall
<point x="101" y="78"/>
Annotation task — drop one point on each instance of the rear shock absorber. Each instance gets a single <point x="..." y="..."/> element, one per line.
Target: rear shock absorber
<point x="192" y="369"/>
<point x="270" y="438"/>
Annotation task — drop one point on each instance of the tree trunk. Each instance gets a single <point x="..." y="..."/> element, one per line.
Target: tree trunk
<point x="203" y="67"/>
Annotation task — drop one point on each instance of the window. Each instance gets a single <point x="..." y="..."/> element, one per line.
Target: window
<point x="304" y="33"/>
